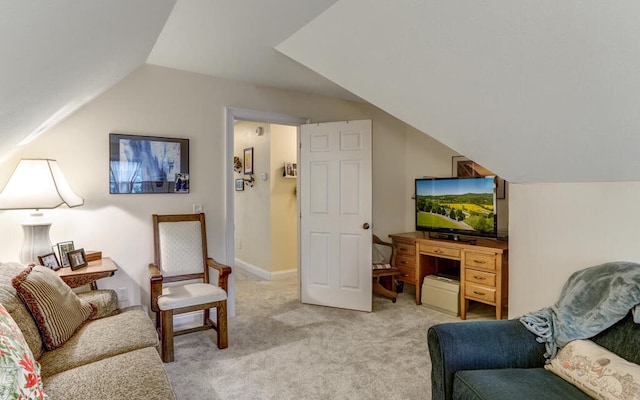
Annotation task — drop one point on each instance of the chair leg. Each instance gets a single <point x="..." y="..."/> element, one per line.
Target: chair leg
<point x="167" y="336"/>
<point x="221" y="313"/>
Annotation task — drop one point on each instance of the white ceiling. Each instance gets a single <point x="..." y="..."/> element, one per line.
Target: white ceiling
<point x="536" y="90"/>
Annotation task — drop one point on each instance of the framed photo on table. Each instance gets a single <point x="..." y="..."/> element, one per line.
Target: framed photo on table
<point x="64" y="248"/>
<point x="49" y="260"/>
<point x="77" y="259"/>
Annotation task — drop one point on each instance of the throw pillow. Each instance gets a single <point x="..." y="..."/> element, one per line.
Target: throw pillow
<point x="19" y="371"/>
<point x="57" y="310"/>
<point x="597" y="371"/>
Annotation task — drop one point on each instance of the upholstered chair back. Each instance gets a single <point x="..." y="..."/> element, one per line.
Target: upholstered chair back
<point x="181" y="247"/>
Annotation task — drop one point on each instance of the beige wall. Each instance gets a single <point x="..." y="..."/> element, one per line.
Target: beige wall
<point x="165" y="102"/>
<point x="557" y="229"/>
<point x="284" y="228"/>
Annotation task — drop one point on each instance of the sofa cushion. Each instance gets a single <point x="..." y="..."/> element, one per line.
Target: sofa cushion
<point x="114" y="378"/>
<point x="20" y="372"/>
<point x="19" y="312"/>
<point x="57" y="310"/>
<point x="105" y="300"/>
<point x="597" y="371"/>
<point x="129" y="330"/>
<point x="513" y="383"/>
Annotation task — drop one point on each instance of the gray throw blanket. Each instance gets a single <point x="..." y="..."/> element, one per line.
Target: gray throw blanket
<point x="592" y="300"/>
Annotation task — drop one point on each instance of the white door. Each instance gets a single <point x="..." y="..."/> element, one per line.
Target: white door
<point x="335" y="212"/>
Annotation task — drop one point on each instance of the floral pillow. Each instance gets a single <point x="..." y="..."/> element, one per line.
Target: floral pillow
<point x="596" y="371"/>
<point x="19" y="371"/>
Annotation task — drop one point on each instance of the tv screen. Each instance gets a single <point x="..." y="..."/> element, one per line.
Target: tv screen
<point x="457" y="206"/>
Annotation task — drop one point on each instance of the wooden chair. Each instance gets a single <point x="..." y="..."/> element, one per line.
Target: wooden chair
<point x="383" y="269"/>
<point x="180" y="279"/>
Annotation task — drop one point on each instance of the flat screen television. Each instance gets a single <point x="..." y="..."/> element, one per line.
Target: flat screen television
<point x="457" y="206"/>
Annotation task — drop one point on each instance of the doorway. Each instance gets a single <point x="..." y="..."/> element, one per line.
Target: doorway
<point x="265" y="198"/>
<point x="239" y="114"/>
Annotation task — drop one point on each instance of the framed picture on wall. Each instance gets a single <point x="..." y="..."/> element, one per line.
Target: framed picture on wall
<point x="248" y="161"/>
<point x="239" y="185"/>
<point x="146" y="164"/>
<point x="462" y="166"/>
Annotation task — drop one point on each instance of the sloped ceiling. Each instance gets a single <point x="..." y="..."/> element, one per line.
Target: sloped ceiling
<point x="235" y="40"/>
<point x="537" y="91"/>
<point x="57" y="55"/>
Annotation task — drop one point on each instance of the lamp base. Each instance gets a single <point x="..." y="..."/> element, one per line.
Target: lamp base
<point x="36" y="239"/>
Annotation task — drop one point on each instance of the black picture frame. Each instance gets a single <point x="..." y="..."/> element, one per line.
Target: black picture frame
<point x="50" y="260"/>
<point x="248" y="161"/>
<point x="146" y="164"/>
<point x="77" y="259"/>
<point x="63" y="248"/>
<point x="239" y="185"/>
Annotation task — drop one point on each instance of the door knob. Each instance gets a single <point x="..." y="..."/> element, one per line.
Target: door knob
<point x="366" y="226"/>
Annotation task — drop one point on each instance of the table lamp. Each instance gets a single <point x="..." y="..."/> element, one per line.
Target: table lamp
<point x="37" y="184"/>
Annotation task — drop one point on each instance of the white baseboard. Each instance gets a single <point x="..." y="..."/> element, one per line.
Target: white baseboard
<point x="266" y="275"/>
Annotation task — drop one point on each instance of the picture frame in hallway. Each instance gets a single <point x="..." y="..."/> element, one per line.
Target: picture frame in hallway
<point x="239" y="185"/>
<point x="146" y="164"/>
<point x="248" y="161"/>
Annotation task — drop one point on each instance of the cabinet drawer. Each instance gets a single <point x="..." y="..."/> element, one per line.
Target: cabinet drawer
<point x="480" y="260"/>
<point x="481" y="277"/>
<point x="479" y="292"/>
<point x="405" y="249"/>
<point x="440" y="251"/>
<point x="408" y="274"/>
<point x="405" y="262"/>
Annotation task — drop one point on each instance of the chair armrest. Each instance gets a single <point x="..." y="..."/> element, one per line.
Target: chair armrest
<point x="479" y="345"/>
<point x="223" y="273"/>
<point x="155" y="281"/>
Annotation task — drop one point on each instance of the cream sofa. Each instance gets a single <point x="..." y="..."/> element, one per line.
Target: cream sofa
<point x="112" y="356"/>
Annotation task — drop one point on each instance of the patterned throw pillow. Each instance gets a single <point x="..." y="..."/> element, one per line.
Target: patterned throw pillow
<point x="596" y="371"/>
<point x="19" y="371"/>
<point x="57" y="310"/>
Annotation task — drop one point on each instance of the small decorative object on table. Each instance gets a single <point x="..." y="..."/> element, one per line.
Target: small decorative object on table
<point x="92" y="255"/>
<point x="182" y="183"/>
<point x="49" y="260"/>
<point x="77" y="259"/>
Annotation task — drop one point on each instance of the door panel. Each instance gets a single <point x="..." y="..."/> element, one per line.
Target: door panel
<point x="335" y="203"/>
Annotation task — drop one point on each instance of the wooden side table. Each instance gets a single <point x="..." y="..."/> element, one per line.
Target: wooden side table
<point x="88" y="275"/>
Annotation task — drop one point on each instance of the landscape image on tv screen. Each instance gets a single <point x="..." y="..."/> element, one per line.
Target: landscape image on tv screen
<point x="456" y="204"/>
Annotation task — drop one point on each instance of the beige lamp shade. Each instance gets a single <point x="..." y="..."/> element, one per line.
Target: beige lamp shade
<point x="38" y="184"/>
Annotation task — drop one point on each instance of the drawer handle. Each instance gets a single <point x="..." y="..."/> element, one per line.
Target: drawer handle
<point x="404" y="262"/>
<point x="479" y="293"/>
<point x="479" y="261"/>
<point x="402" y="248"/>
<point x="480" y="278"/>
<point x="437" y="251"/>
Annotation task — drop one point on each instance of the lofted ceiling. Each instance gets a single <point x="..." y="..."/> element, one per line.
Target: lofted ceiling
<point x="537" y="91"/>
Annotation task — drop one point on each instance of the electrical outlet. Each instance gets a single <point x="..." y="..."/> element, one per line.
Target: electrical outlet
<point x="197" y="208"/>
<point x="122" y="294"/>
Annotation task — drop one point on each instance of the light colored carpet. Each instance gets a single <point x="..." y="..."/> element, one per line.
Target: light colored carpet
<point x="282" y="349"/>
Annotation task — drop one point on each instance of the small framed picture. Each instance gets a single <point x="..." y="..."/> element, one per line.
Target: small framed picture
<point x="290" y="170"/>
<point x="182" y="183"/>
<point x="63" y="249"/>
<point x="77" y="259"/>
<point x="49" y="260"/>
<point x="239" y="185"/>
<point x="248" y="161"/>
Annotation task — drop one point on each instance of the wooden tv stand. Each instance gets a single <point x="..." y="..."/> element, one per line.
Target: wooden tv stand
<point x="482" y="266"/>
